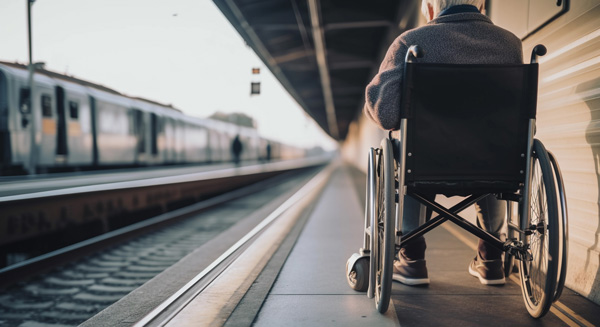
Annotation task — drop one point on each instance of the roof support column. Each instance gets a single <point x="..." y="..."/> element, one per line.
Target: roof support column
<point x="320" y="49"/>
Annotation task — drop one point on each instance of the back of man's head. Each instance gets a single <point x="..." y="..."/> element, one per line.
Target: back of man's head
<point x="434" y="7"/>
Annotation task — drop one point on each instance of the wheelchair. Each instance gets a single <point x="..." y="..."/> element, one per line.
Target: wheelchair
<point x="467" y="130"/>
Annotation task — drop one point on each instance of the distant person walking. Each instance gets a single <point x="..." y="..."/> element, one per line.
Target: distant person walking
<point x="236" y="149"/>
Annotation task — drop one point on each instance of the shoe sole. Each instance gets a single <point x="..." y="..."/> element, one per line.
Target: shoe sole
<point x="484" y="281"/>
<point x="410" y="281"/>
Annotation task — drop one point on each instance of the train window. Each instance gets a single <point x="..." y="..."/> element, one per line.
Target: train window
<point x="24" y="101"/>
<point x="46" y="105"/>
<point x="73" y="109"/>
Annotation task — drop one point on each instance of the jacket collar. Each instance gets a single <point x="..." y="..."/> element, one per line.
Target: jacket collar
<point x="460" y="17"/>
<point x="459" y="9"/>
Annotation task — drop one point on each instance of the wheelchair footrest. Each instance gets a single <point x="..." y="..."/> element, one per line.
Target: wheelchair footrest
<point x="518" y="250"/>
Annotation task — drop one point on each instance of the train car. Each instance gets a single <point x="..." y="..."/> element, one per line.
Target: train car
<point x="74" y="124"/>
<point x="41" y="136"/>
<point x="196" y="141"/>
<point x="219" y="138"/>
<point x="115" y="141"/>
<point x="73" y="121"/>
<point x="251" y="142"/>
<point x="14" y="131"/>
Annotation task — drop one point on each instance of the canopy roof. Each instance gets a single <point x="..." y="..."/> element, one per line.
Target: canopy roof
<point x="324" y="52"/>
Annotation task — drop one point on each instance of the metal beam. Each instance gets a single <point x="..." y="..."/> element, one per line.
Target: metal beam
<point x="294" y="54"/>
<point x="327" y="28"/>
<point x="276" y="27"/>
<point x="353" y="64"/>
<point x="301" y="27"/>
<point x="319" y="39"/>
<point x="363" y="24"/>
<point x="292" y="67"/>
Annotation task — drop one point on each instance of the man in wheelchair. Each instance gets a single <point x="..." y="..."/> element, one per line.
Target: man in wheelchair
<point x="461" y="108"/>
<point x="457" y="32"/>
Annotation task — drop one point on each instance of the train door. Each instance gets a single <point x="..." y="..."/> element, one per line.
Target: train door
<point x="217" y="150"/>
<point x="20" y="128"/>
<point x="61" y="125"/>
<point x="79" y="130"/>
<point x="198" y="149"/>
<point x="5" y="148"/>
<point x="180" y="139"/>
<point x="94" y="127"/>
<point x="226" y="147"/>
<point x="174" y="140"/>
<point x="21" y="131"/>
<point x="139" y="130"/>
<point x="46" y="145"/>
<point x="211" y="150"/>
<point x="154" y="135"/>
<point x="169" y="139"/>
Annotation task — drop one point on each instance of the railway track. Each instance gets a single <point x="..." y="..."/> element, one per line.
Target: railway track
<point x="71" y="293"/>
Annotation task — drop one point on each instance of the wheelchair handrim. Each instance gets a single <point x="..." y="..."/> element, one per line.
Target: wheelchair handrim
<point x="539" y="276"/>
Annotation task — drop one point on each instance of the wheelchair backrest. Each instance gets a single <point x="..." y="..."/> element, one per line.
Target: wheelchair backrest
<point x="468" y="124"/>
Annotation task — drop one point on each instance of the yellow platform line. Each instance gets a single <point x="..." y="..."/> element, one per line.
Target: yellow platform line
<point x="573" y="320"/>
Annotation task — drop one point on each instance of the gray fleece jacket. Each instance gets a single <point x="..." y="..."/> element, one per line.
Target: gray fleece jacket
<point x="462" y="38"/>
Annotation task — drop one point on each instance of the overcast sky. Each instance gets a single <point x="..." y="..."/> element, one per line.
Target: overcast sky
<point x="182" y="52"/>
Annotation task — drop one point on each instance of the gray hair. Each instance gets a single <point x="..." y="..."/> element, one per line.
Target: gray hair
<point x="440" y="5"/>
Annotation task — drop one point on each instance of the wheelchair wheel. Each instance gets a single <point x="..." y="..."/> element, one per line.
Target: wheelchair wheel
<point x="539" y="269"/>
<point x="382" y="254"/>
<point x="564" y="232"/>
<point x="511" y="234"/>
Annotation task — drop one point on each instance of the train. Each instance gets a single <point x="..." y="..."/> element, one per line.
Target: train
<point x="72" y="124"/>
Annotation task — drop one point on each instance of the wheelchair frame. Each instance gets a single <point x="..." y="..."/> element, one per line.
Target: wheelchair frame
<point x="371" y="269"/>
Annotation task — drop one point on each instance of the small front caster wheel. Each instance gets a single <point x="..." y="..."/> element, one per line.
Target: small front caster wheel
<point x="358" y="276"/>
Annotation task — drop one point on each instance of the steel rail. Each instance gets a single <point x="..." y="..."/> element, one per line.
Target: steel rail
<point x="15" y="272"/>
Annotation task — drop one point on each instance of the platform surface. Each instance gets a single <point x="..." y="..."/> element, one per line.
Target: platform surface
<point x="27" y="184"/>
<point x="311" y="289"/>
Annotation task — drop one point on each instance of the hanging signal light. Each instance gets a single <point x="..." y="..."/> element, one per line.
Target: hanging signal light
<point x="254" y="88"/>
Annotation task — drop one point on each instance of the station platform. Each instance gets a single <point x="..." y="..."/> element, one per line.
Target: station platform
<point x="302" y="282"/>
<point x="311" y="289"/>
<point x="31" y="184"/>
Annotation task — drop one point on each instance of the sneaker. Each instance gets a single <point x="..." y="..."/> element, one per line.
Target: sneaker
<point x="410" y="272"/>
<point x="489" y="272"/>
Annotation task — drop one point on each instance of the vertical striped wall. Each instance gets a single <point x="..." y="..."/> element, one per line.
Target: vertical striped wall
<point x="568" y="123"/>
